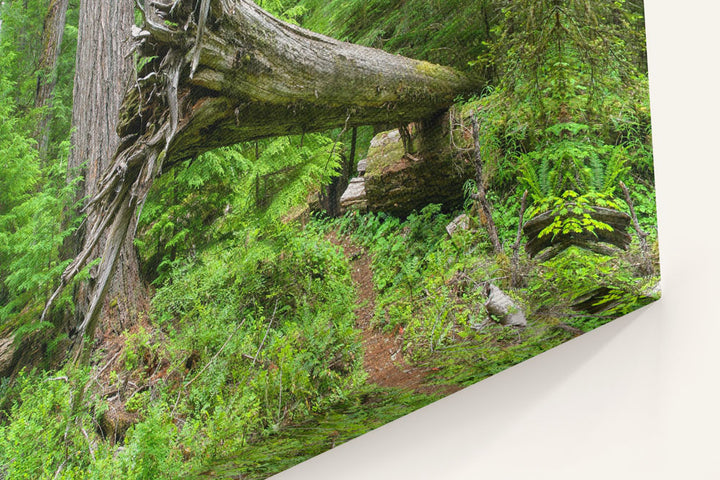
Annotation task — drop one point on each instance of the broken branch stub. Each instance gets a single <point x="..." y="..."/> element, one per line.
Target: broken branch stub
<point x="218" y="72"/>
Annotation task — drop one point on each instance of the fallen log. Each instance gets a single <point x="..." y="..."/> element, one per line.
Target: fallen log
<point x="617" y="237"/>
<point x="218" y="72"/>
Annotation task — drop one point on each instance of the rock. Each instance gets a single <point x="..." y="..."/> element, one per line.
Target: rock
<point x="391" y="137"/>
<point x="7" y="352"/>
<point x="354" y="197"/>
<point x="461" y="222"/>
<point x="505" y="309"/>
<point x="362" y="167"/>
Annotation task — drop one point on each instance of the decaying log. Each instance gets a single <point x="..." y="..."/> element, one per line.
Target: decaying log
<point x="259" y="77"/>
<point x="618" y="237"/>
<point x="219" y="72"/>
<point x="8" y="349"/>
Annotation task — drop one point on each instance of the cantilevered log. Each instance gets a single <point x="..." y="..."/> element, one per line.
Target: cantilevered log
<point x="218" y="72"/>
<point x="618" y="236"/>
<point x="257" y="76"/>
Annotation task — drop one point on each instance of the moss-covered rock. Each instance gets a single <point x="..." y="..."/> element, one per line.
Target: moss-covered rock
<point x="398" y="183"/>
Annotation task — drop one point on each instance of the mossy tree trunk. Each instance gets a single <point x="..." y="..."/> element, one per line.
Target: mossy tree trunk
<point x="219" y="72"/>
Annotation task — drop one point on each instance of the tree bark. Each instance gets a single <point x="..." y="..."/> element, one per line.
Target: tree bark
<point x="221" y="72"/>
<point x="103" y="71"/>
<point x="259" y="77"/>
<point x="52" y="36"/>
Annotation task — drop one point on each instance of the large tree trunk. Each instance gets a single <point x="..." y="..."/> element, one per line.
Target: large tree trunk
<point x="226" y="71"/>
<point x="103" y="72"/>
<point x="52" y="35"/>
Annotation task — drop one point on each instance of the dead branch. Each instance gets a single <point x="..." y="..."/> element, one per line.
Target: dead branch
<point x="481" y="193"/>
<point x="272" y="318"/>
<point x="516" y="278"/>
<point x="646" y="267"/>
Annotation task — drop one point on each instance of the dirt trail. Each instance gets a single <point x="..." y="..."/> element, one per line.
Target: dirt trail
<point x="383" y="358"/>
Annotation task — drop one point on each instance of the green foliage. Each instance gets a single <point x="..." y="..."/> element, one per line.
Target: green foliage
<point x="448" y="32"/>
<point x="22" y="24"/>
<point x="283" y="9"/>
<point x="151" y="447"/>
<point x="33" y="191"/>
<point x="263" y="327"/>
<point x="32" y="203"/>
<point x="41" y="420"/>
<point x="223" y="191"/>
<point x="570" y="116"/>
<point x="20" y="36"/>
<point x="570" y="164"/>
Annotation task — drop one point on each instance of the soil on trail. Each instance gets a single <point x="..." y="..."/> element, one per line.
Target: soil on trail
<point x="383" y="358"/>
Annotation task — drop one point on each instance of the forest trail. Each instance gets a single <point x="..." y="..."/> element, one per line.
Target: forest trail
<point x="383" y="357"/>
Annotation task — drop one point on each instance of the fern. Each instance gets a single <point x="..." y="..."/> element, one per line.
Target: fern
<point x="208" y="200"/>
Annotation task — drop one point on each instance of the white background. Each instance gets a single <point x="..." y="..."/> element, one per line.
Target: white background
<point x="636" y="399"/>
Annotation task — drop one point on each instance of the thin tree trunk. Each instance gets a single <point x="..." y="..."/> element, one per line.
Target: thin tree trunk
<point x="481" y="196"/>
<point x="52" y="36"/>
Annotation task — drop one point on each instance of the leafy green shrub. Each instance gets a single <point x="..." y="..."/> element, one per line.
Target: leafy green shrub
<point x="151" y="448"/>
<point x="43" y="437"/>
<point x="261" y="324"/>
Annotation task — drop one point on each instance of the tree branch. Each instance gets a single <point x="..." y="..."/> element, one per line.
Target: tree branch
<point x="646" y="267"/>
<point x="481" y="196"/>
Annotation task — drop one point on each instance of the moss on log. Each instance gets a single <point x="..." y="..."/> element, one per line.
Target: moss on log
<point x="555" y="244"/>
